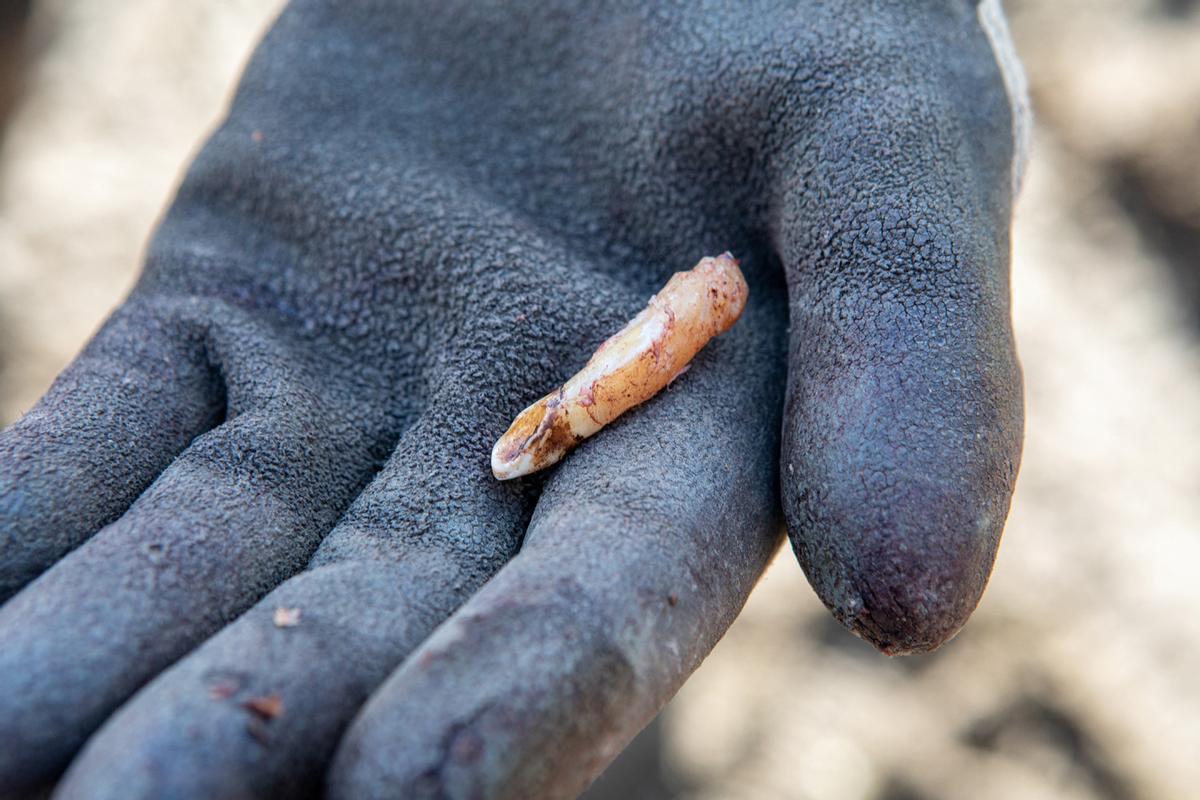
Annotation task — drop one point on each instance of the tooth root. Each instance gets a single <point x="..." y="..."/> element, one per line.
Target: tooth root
<point x="632" y="366"/>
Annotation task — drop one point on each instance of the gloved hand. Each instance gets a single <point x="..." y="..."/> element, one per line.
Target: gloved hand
<point x="418" y="218"/>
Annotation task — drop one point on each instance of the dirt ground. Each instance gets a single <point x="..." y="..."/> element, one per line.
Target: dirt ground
<point x="1077" y="676"/>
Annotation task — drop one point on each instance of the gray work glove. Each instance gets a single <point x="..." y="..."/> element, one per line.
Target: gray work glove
<point x="418" y="218"/>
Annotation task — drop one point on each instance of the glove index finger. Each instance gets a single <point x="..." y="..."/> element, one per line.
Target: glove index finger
<point x="903" y="422"/>
<point x="642" y="549"/>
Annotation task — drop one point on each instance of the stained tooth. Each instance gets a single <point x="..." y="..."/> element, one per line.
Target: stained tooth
<point x="629" y="368"/>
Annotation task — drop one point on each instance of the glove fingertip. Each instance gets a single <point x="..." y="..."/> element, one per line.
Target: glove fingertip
<point x="905" y="589"/>
<point x="897" y="523"/>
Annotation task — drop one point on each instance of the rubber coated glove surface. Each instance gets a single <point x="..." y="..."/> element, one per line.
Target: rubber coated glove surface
<point x="418" y="218"/>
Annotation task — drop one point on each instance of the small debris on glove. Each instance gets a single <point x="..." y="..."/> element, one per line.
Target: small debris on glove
<point x="287" y="617"/>
<point x="267" y="707"/>
<point x="223" y="690"/>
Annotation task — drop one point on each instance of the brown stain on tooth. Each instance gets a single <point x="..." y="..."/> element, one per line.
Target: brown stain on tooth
<point x="523" y="430"/>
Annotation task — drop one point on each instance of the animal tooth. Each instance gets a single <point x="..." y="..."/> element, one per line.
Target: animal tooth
<point x="632" y="366"/>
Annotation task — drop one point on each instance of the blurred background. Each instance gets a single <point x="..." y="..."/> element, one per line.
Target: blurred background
<point x="1079" y="676"/>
